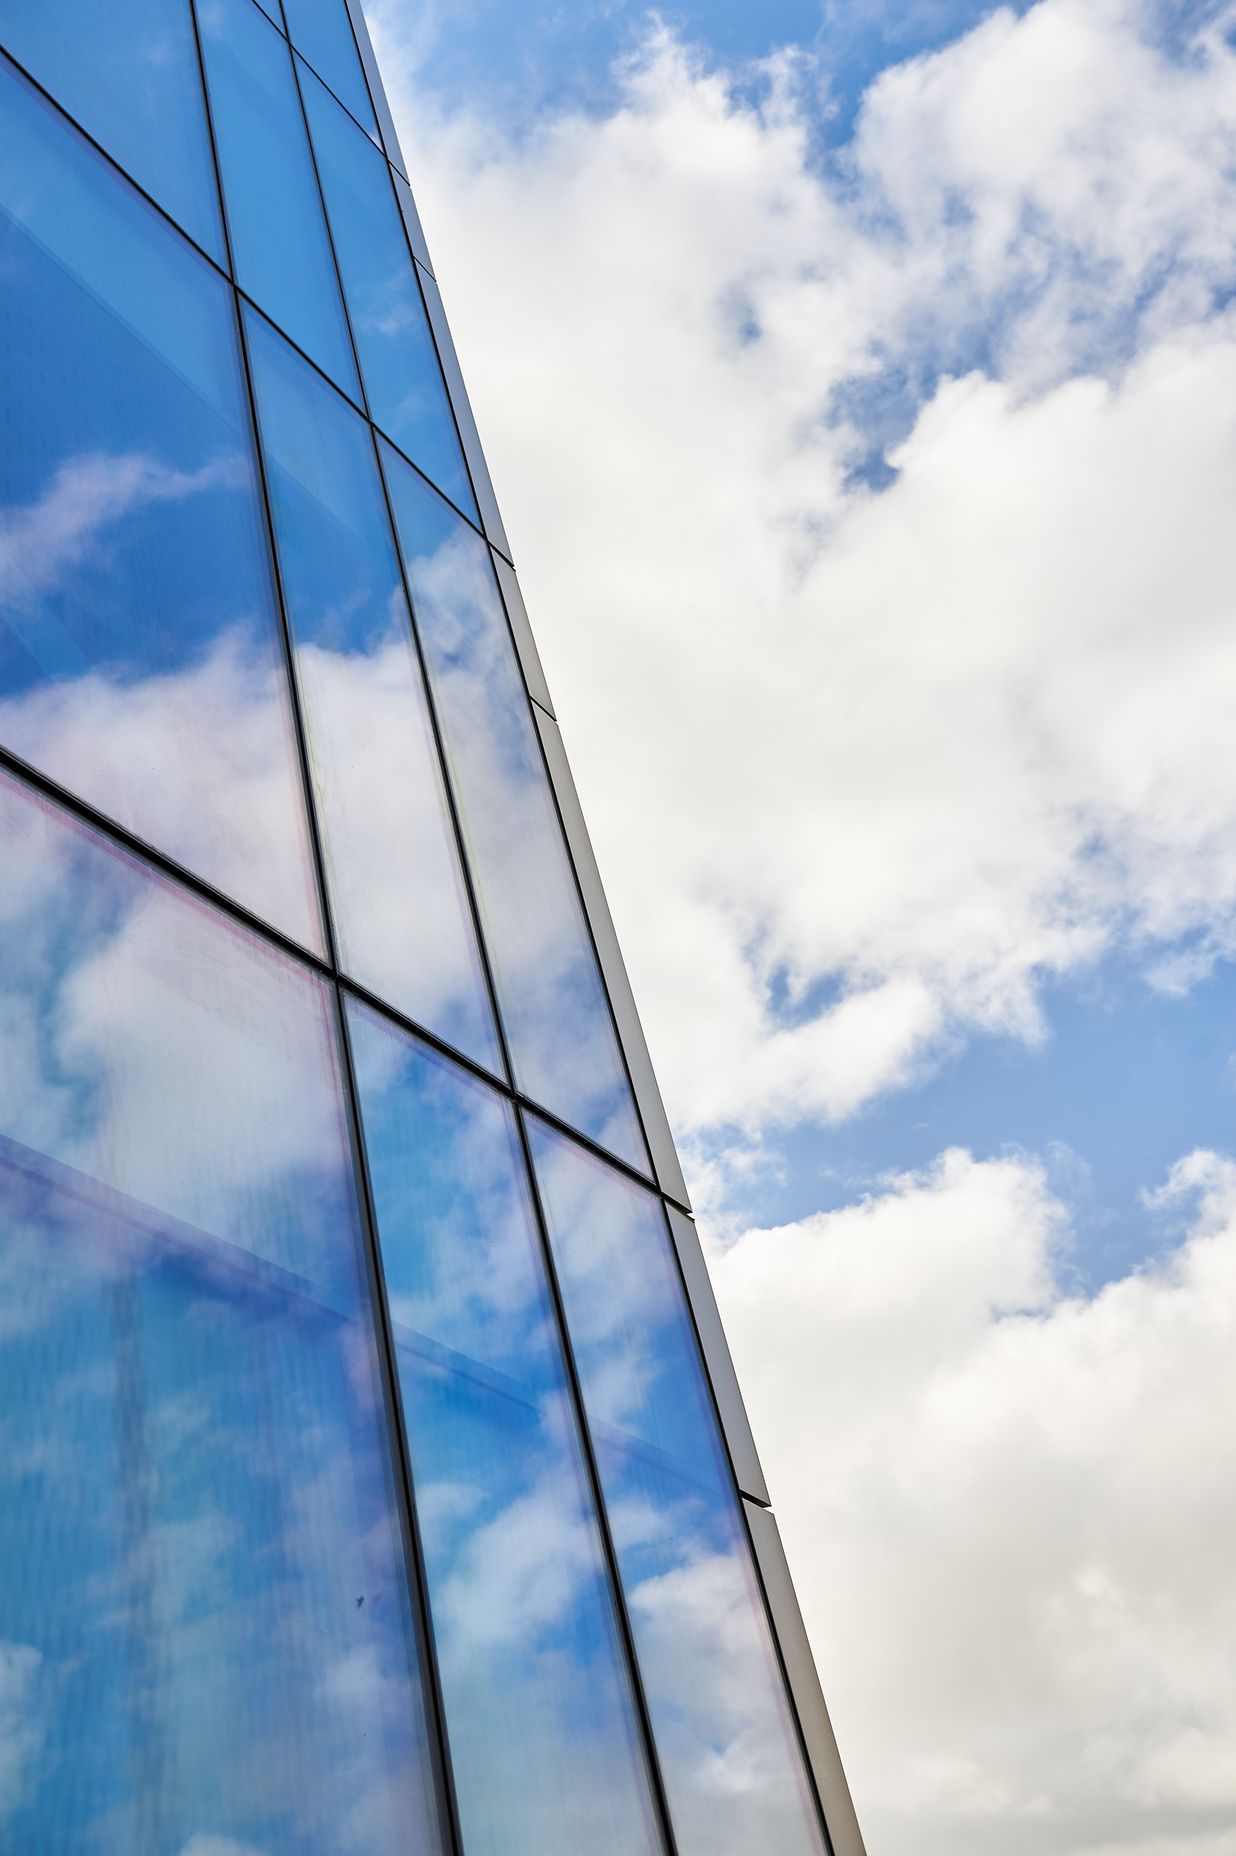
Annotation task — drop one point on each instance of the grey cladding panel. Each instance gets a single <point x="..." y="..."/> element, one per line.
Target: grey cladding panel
<point x="373" y="77"/>
<point x="491" y="521"/>
<point x="843" y="1831"/>
<point x="412" y="223"/>
<point x="718" y="1359"/>
<point x="647" y="1094"/>
<point x="521" y="630"/>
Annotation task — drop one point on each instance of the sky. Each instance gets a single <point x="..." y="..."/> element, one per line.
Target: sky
<point x="859" y="385"/>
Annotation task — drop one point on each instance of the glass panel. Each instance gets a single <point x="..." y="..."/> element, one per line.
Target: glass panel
<point x="407" y="396"/>
<point x="401" y="912"/>
<point x="140" y="657"/>
<point x="556" y="1014"/>
<point x="274" y="210"/>
<point x="204" y="1617"/>
<point x="322" y="30"/>
<point x="539" y="1717"/>
<point x="728" y="1749"/>
<point x="128" y="72"/>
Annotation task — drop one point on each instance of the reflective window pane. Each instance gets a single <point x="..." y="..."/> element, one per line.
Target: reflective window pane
<point x="128" y="72"/>
<point x="205" y="1629"/>
<point x="549" y="990"/>
<point x="538" y="1714"/>
<point x="403" y="380"/>
<point x="279" y="241"/>
<point x="140" y="658"/>
<point x="727" y="1745"/>
<point x="322" y="32"/>
<point x="401" y="913"/>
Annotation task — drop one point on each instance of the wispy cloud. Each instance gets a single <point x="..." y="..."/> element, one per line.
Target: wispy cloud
<point x="43" y="542"/>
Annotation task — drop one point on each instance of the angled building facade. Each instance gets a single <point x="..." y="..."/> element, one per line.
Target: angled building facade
<point x="375" y="1478"/>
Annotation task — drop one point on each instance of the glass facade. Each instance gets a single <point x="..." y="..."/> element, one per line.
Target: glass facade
<point x="363" y="1487"/>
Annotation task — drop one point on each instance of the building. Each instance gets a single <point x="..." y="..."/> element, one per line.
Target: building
<point x="363" y="1487"/>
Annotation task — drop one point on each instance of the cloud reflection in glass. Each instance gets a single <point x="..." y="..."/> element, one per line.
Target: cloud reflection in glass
<point x="401" y="912"/>
<point x="140" y="663"/>
<point x="204" y="1624"/>
<point x="553" y="1005"/>
<point x="538" y="1712"/>
<point x="728" y="1749"/>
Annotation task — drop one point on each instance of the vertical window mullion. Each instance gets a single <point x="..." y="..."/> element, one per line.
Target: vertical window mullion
<point x="393" y="1415"/>
<point x="435" y="1712"/>
<point x="434" y="720"/>
<point x="597" y="1491"/>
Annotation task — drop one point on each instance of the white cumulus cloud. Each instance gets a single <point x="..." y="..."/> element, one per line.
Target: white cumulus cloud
<point x="1011" y="1507"/>
<point x="928" y="746"/>
<point x="873" y="508"/>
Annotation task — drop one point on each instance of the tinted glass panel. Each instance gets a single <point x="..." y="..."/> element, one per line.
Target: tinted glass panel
<point x="279" y="241"/>
<point x="556" y="1015"/>
<point x="204" y="1624"/>
<point x="407" y="396"/>
<point x="538" y="1714"/>
<point x="401" y="913"/>
<point x="128" y="72"/>
<point x="322" y="30"/>
<point x="727" y="1745"/>
<point x="140" y="662"/>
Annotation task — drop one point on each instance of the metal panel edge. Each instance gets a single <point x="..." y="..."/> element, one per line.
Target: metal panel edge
<point x="718" y="1358"/>
<point x="377" y="91"/>
<point x="521" y="631"/>
<point x="487" y="502"/>
<point x="411" y="221"/>
<point x="665" y="1162"/>
<point x="390" y="139"/>
<point x="839" y="1815"/>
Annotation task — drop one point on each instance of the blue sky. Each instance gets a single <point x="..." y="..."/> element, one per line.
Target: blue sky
<point x="528" y="59"/>
<point x="1125" y="1081"/>
<point x="865" y="427"/>
<point x="1124" y="1077"/>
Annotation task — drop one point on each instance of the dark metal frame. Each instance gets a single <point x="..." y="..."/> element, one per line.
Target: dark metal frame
<point x="822" y="1763"/>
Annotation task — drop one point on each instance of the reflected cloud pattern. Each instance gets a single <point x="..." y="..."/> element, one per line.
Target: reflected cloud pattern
<point x="538" y="1713"/>
<point x="139" y="654"/>
<point x="556" y="1015"/>
<point x="300" y="1545"/>
<point x="400" y="909"/>
<point x="206" y="1636"/>
<point x="728" y="1748"/>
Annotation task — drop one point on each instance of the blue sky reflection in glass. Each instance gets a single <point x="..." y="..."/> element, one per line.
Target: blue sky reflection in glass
<point x="140" y="661"/>
<point x="538" y="1710"/>
<point x="727" y="1745"/>
<point x="207" y="1635"/>
<point x="280" y="245"/>
<point x="401" y="912"/>
<point x="557" y="1019"/>
<point x="407" y="395"/>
